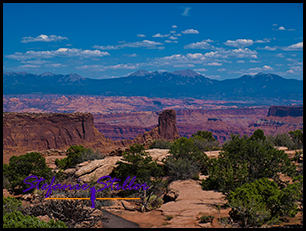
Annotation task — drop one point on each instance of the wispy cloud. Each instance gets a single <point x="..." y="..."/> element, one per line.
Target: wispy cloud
<point x="266" y="40"/>
<point x="43" y="38"/>
<point x="158" y="35"/>
<point x="145" y="43"/>
<point x="293" y="47"/>
<point x="199" y="45"/>
<point x="186" y="11"/>
<point x="190" y="31"/>
<point x="239" y="43"/>
<point x="61" y="52"/>
<point x="141" y="35"/>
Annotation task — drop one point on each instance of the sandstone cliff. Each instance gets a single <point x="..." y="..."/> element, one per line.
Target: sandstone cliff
<point x="23" y="132"/>
<point x="166" y="129"/>
<point x="282" y="111"/>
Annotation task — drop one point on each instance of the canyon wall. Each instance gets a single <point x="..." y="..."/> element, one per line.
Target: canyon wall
<point x="24" y="132"/>
<point x="282" y="111"/>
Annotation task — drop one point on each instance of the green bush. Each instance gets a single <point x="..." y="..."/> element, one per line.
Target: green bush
<point x="206" y="218"/>
<point x="11" y="204"/>
<point x="139" y="164"/>
<point x="292" y="140"/>
<point x="282" y="140"/>
<point x="161" y="144"/>
<point x="23" y="166"/>
<point x="185" y="160"/>
<point x="18" y="220"/>
<point x="77" y="154"/>
<point x="244" y="160"/>
<point x="262" y="202"/>
<point x="205" y="141"/>
<point x="297" y="138"/>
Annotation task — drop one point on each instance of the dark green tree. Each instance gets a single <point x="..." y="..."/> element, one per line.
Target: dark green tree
<point x="297" y="138"/>
<point x="263" y="202"/>
<point x="23" y="166"/>
<point x="244" y="160"/>
<point x="137" y="162"/>
<point x="186" y="159"/>
<point x="77" y="154"/>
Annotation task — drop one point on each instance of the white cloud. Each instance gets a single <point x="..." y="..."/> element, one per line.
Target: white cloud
<point x="186" y="11"/>
<point x="108" y="47"/>
<point x="281" y="28"/>
<point x="141" y="35"/>
<point x="235" y="53"/>
<point x="179" y="59"/>
<point x="290" y="71"/>
<point x="200" y="69"/>
<point x="274" y="25"/>
<point x="265" y="40"/>
<point x="214" y="64"/>
<point x="294" y="47"/>
<point x="264" y="68"/>
<point x="145" y="43"/>
<point x="212" y="76"/>
<point x="222" y="69"/>
<point x="61" y="52"/>
<point x="254" y="61"/>
<point x="131" y="55"/>
<point x="170" y="41"/>
<point x="190" y="31"/>
<point x="172" y="37"/>
<point x="174" y="26"/>
<point x="158" y="35"/>
<point x="43" y="38"/>
<point x="240" y="61"/>
<point x="199" y="45"/>
<point x="239" y="43"/>
<point x="280" y="55"/>
<point x="103" y="68"/>
<point x="268" y="48"/>
<point x="173" y="31"/>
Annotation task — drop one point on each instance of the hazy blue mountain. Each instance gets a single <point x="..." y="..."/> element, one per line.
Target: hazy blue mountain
<point x="177" y="84"/>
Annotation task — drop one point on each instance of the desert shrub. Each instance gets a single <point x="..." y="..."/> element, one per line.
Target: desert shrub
<point x="282" y="140"/>
<point x="18" y="220"/>
<point x="23" y="166"/>
<point x="185" y="160"/>
<point x="292" y="140"/>
<point x="138" y="163"/>
<point x="71" y="212"/>
<point x="77" y="154"/>
<point x="11" y="204"/>
<point x="205" y="141"/>
<point x="244" y="160"/>
<point x="297" y="138"/>
<point x="206" y="218"/>
<point x="262" y="202"/>
<point x="157" y="203"/>
<point x="161" y="144"/>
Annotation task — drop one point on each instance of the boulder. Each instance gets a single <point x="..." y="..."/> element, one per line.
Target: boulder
<point x="88" y="168"/>
<point x="106" y="166"/>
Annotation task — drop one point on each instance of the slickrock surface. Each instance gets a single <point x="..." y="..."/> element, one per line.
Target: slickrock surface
<point x="190" y="203"/>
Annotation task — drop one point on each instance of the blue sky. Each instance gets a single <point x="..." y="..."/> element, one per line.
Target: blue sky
<point x="104" y="40"/>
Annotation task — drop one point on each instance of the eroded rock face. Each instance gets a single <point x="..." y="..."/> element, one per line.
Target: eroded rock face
<point x="23" y="132"/>
<point x="282" y="111"/>
<point x="167" y="125"/>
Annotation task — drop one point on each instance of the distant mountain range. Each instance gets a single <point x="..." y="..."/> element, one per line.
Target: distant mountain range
<point x="177" y="84"/>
